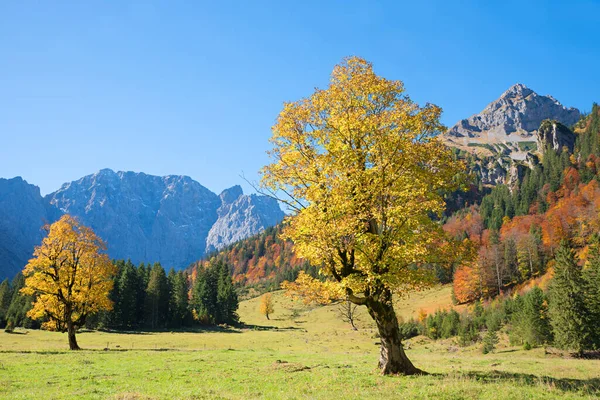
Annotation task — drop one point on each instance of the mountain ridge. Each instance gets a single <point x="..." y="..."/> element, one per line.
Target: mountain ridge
<point x="511" y="119"/>
<point x="147" y="218"/>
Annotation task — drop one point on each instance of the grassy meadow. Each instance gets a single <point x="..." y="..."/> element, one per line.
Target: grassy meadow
<point x="302" y="352"/>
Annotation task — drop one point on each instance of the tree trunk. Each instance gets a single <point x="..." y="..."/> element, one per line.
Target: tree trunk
<point x="392" y="358"/>
<point x="72" y="340"/>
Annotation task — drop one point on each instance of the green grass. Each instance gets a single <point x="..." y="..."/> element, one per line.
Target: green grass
<point x="302" y="352"/>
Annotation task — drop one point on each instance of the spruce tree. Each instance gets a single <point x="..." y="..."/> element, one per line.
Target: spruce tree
<point x="126" y="305"/>
<point x="568" y="314"/>
<point x="157" y="298"/>
<point x="178" y="299"/>
<point x="591" y="276"/>
<point x="204" y="296"/>
<point x="20" y="305"/>
<point x="530" y="323"/>
<point x="227" y="299"/>
<point x="5" y="297"/>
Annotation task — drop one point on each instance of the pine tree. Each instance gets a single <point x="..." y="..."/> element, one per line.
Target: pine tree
<point x="591" y="276"/>
<point x="568" y="314"/>
<point x="5" y="297"/>
<point x="157" y="298"/>
<point x="178" y="299"/>
<point x="19" y="305"/>
<point x="530" y="323"/>
<point x="490" y="340"/>
<point x="204" y="296"/>
<point x="227" y="299"/>
<point x="126" y="304"/>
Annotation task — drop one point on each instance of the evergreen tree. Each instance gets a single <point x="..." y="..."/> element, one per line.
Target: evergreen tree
<point x="5" y="298"/>
<point x="157" y="298"/>
<point x="204" y="296"/>
<point x="530" y="323"/>
<point x="20" y="305"/>
<point x="141" y="286"/>
<point x="568" y="314"/>
<point x="591" y="276"/>
<point x="125" y="307"/>
<point x="227" y="299"/>
<point x="490" y="340"/>
<point x="178" y="299"/>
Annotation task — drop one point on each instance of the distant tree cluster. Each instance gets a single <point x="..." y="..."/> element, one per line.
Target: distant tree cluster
<point x="262" y="261"/>
<point x="518" y="231"/>
<point x="144" y="297"/>
<point x="565" y="317"/>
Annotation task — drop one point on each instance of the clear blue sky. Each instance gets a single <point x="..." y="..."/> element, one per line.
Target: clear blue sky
<point x="193" y="87"/>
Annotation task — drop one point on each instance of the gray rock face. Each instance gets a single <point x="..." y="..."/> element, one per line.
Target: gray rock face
<point x="23" y="213"/>
<point x="241" y="216"/>
<point x="556" y="135"/>
<point x="143" y="217"/>
<point x="514" y="117"/>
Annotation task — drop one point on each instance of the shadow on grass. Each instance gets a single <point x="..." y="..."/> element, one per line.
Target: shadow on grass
<point x="269" y="328"/>
<point x="587" y="386"/>
<point x="199" y="329"/>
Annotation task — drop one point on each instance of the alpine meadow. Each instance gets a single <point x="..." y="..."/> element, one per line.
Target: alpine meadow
<point x="415" y="224"/>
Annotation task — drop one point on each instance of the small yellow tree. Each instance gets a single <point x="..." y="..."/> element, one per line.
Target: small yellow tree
<point x="266" y="305"/>
<point x="69" y="276"/>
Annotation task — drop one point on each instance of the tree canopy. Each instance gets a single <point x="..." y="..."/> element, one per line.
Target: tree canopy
<point x="70" y="277"/>
<point x="362" y="168"/>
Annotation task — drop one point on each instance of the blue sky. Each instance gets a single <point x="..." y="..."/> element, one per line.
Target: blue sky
<point x="193" y="87"/>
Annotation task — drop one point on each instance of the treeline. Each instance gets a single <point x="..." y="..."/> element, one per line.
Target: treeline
<point x="262" y="261"/>
<point x="517" y="230"/>
<point x="145" y="297"/>
<point x="565" y="317"/>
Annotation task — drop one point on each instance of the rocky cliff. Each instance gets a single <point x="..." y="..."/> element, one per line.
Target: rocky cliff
<point x="241" y="216"/>
<point x="511" y="121"/>
<point x="170" y="219"/>
<point x="23" y="213"/>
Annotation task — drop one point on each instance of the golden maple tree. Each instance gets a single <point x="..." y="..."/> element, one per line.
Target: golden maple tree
<point x="69" y="276"/>
<point x="363" y="171"/>
<point x="266" y="305"/>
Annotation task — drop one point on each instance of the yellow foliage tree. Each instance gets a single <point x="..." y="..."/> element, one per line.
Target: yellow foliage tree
<point x="69" y="276"/>
<point x="266" y="305"/>
<point x="362" y="168"/>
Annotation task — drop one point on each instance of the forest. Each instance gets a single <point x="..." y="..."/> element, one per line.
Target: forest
<point x="144" y="297"/>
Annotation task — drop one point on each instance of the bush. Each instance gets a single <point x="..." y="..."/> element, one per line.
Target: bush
<point x="490" y="341"/>
<point x="410" y="329"/>
<point x="450" y="324"/>
<point x="467" y="331"/>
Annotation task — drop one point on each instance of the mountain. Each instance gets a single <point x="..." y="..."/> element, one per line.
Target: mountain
<point x="23" y="212"/>
<point x="241" y="216"/>
<point x="510" y="124"/>
<point x="170" y="219"/>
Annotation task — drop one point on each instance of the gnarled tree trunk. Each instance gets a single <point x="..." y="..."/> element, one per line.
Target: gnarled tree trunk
<point x="72" y="340"/>
<point x="392" y="358"/>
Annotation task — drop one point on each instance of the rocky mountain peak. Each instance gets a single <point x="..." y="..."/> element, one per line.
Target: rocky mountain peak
<point x="513" y="118"/>
<point x="230" y="195"/>
<point x="170" y="219"/>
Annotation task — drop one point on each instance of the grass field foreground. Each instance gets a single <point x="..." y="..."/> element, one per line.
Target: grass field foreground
<point x="302" y="352"/>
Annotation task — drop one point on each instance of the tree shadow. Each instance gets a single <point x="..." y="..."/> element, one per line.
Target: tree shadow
<point x="587" y="386"/>
<point x="199" y="329"/>
<point x="269" y="328"/>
